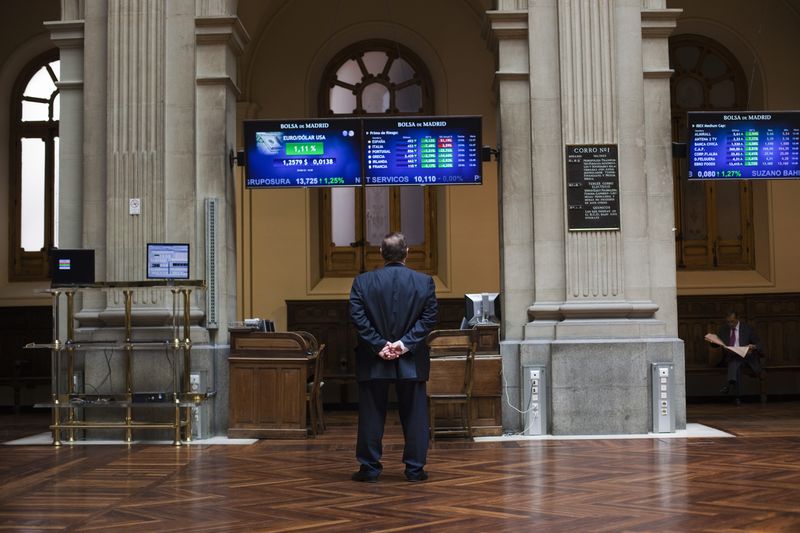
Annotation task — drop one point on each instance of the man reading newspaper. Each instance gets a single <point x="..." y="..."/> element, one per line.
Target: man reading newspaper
<point x="740" y="345"/>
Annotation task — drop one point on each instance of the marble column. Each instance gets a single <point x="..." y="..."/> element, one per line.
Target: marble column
<point x="601" y="302"/>
<point x="220" y="39"/>
<point x="658" y="24"/>
<point x="512" y="83"/>
<point x="68" y="35"/>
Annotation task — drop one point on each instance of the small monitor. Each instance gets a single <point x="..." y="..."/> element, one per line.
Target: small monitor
<point x="259" y="324"/>
<point x="167" y="261"/>
<point x="72" y="267"/>
<point x="481" y="308"/>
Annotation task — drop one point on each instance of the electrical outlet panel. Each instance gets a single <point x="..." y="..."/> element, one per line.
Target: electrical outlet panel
<point x="534" y="395"/>
<point x="663" y="397"/>
<point x="194" y="382"/>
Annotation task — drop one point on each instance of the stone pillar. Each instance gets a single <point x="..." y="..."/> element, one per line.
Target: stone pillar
<point x="68" y="35"/>
<point x="593" y="318"/>
<point x="159" y="110"/>
<point x="93" y="206"/>
<point x="220" y="39"/>
<point x="512" y="84"/>
<point x="657" y="25"/>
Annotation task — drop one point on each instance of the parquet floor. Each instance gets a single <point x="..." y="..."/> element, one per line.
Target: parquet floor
<point x="749" y="483"/>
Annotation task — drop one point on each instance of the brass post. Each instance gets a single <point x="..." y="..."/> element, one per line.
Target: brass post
<point x="187" y="351"/>
<point x="55" y="364"/>
<point x="128" y="370"/>
<point x="56" y="425"/>
<point x="177" y="435"/>
<point x="70" y="362"/>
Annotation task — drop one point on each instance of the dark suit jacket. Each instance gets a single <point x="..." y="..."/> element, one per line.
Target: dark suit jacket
<point x="747" y="335"/>
<point x="389" y="304"/>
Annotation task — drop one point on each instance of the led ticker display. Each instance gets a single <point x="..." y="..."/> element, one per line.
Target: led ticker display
<point x="302" y="153"/>
<point x="745" y="145"/>
<point x="422" y="151"/>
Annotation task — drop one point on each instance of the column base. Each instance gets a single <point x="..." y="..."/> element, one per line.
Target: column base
<point x="594" y="386"/>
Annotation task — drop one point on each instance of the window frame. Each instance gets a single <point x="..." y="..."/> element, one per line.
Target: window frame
<point x="25" y="265"/>
<point x="713" y="252"/>
<point x="346" y="261"/>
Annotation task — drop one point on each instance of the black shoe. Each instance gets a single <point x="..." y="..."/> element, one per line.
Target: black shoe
<point x="725" y="389"/>
<point x="737" y="402"/>
<point x="365" y="477"/>
<point x="419" y="476"/>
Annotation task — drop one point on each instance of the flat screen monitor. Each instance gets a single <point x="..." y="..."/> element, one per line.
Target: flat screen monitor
<point x="423" y="151"/>
<point x="302" y="153"/>
<point x="167" y="260"/>
<point x="744" y="145"/>
<point x="71" y="267"/>
<point x="481" y="308"/>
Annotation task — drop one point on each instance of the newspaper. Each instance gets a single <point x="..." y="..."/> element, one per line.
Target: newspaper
<point x="741" y="351"/>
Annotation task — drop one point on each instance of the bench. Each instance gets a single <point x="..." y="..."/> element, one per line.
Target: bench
<point x="22" y="378"/>
<point x="715" y="366"/>
<point x="715" y="356"/>
<point x="769" y="369"/>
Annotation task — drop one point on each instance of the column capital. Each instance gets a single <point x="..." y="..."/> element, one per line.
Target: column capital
<point x="508" y="24"/>
<point x="222" y="30"/>
<point x="659" y="23"/>
<point x="66" y="34"/>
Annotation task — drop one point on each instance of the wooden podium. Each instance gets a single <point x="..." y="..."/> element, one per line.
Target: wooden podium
<point x="268" y="385"/>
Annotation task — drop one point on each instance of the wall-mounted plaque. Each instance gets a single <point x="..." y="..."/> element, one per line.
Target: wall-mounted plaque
<point x="592" y="187"/>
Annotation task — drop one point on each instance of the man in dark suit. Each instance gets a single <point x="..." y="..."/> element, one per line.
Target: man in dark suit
<point x="393" y="309"/>
<point x="737" y="333"/>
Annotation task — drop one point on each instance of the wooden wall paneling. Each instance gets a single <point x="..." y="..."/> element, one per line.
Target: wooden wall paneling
<point x="242" y="396"/>
<point x="776" y="317"/>
<point x="329" y="321"/>
<point x="268" y="396"/>
<point x="24" y="374"/>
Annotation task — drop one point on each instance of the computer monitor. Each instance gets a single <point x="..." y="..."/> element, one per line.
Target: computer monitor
<point x="71" y="267"/>
<point x="167" y="260"/>
<point x="481" y="308"/>
<point x="259" y="324"/>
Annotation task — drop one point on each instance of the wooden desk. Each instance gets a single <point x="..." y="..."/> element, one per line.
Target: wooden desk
<point x="447" y="376"/>
<point x="268" y="384"/>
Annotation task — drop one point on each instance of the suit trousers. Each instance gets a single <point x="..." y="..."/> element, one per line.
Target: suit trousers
<point x="372" y="405"/>
<point x="735" y="364"/>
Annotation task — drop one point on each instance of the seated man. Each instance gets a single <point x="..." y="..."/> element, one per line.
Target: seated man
<point x="737" y="333"/>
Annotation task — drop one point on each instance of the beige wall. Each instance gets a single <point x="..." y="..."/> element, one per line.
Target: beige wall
<point x="277" y="231"/>
<point x="763" y="37"/>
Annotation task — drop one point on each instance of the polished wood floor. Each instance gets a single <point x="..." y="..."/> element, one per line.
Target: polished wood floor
<point x="748" y="483"/>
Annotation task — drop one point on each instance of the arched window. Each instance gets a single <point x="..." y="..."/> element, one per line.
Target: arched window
<point x="713" y="219"/>
<point x="33" y="168"/>
<point x="376" y="78"/>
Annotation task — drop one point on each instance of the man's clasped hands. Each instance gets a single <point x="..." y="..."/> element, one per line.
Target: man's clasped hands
<point x="392" y="350"/>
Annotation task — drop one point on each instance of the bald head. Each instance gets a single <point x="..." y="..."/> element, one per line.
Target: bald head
<point x="394" y="248"/>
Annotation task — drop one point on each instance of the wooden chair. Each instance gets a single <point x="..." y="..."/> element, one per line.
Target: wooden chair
<point x="314" y="391"/>
<point x="458" y="344"/>
<point x="314" y="394"/>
